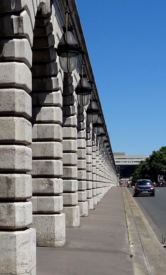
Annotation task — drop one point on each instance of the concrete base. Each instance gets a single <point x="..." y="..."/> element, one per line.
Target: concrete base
<point x="72" y="215"/>
<point x="18" y="252"/>
<point x="50" y="229"/>
<point x="83" y="208"/>
<point x="91" y="205"/>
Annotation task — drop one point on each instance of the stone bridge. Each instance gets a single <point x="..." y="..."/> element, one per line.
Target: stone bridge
<point x="56" y="160"/>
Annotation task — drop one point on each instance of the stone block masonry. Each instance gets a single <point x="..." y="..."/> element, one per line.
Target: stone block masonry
<point x="51" y="169"/>
<point x="17" y="238"/>
<point x="81" y="151"/>
<point x="48" y="216"/>
<point x="70" y="173"/>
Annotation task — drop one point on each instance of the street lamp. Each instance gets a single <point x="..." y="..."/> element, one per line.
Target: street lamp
<point x="92" y="114"/>
<point x="83" y="90"/>
<point x="68" y="48"/>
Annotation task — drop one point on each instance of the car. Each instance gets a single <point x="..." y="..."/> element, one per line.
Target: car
<point x="144" y="186"/>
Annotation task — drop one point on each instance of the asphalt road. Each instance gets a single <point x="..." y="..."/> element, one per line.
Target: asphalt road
<point x="154" y="209"/>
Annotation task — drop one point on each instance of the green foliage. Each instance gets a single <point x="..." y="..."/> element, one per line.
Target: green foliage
<point x="152" y="167"/>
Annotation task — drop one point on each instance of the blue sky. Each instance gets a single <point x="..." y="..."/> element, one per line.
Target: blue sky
<point x="126" y="41"/>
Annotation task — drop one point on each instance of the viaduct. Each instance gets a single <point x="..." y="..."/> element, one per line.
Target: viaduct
<point x="56" y="160"/>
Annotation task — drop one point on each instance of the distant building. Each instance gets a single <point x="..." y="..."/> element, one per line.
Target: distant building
<point x="126" y="164"/>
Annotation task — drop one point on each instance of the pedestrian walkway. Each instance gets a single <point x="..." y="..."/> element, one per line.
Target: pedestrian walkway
<point x="99" y="247"/>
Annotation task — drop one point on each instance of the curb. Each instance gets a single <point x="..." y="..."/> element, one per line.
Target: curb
<point x="149" y="257"/>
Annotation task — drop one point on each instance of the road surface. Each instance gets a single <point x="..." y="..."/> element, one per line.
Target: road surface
<point x="154" y="209"/>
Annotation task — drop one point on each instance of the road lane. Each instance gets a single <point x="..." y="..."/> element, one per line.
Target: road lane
<point x="155" y="210"/>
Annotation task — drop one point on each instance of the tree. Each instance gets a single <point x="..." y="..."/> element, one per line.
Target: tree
<point x="153" y="166"/>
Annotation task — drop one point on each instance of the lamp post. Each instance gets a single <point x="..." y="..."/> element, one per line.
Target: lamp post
<point x="84" y="89"/>
<point x="68" y="49"/>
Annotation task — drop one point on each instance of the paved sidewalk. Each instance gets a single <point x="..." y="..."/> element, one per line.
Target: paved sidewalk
<point x="99" y="247"/>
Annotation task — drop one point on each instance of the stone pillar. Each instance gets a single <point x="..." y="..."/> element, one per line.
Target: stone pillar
<point x="81" y="146"/>
<point x="70" y="183"/>
<point x="89" y="165"/>
<point x="99" y="173"/>
<point x="17" y="238"/>
<point x="94" y="168"/>
<point x="48" y="218"/>
<point x="97" y="170"/>
<point x="106" y="178"/>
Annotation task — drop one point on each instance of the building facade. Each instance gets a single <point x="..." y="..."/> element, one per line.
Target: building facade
<point x="126" y="164"/>
<point x="56" y="160"/>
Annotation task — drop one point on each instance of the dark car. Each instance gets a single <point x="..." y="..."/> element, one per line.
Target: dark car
<point x="144" y="186"/>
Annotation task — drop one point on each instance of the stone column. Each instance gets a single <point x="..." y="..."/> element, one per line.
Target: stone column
<point x="97" y="169"/>
<point x="106" y="178"/>
<point x="70" y="183"/>
<point x="99" y="173"/>
<point x="89" y="165"/>
<point x="48" y="218"/>
<point x="94" y="168"/>
<point x="81" y="146"/>
<point x="17" y="238"/>
<point x="105" y="182"/>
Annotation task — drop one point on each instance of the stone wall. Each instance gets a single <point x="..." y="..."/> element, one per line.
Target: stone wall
<point x="46" y="149"/>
